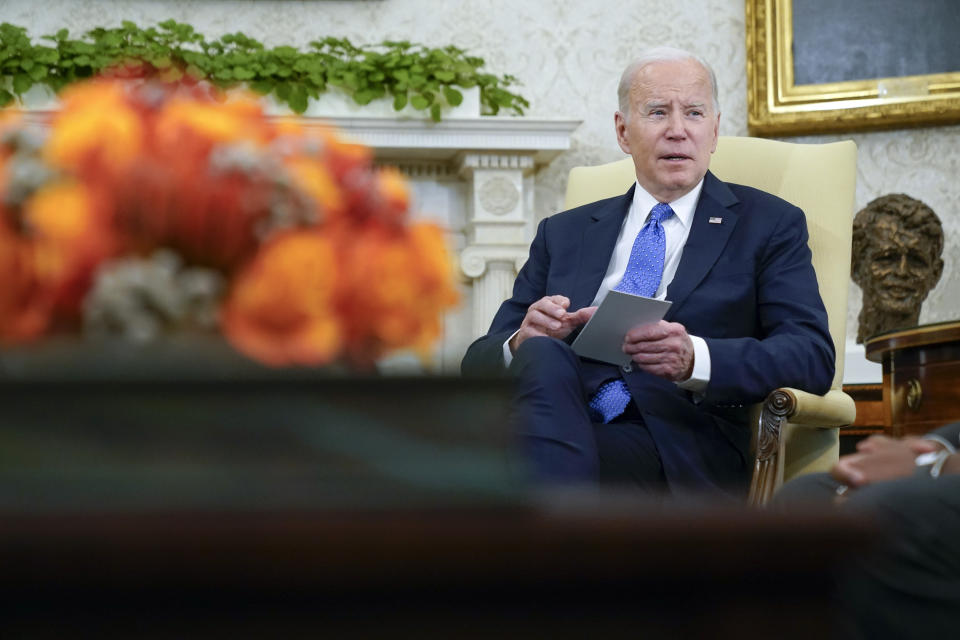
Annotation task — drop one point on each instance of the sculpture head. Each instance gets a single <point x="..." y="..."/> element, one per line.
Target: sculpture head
<point x="897" y="242"/>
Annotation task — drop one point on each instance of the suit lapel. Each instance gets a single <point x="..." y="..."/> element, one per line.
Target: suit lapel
<point x="599" y="238"/>
<point x="706" y="241"/>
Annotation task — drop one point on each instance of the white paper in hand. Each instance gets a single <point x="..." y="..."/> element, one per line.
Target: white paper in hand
<point x="602" y="337"/>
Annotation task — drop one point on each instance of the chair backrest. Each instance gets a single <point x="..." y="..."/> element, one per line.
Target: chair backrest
<point x="818" y="178"/>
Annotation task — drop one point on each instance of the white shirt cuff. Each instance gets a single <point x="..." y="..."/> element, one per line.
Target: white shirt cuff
<point x="698" y="380"/>
<point x="507" y="354"/>
<point x="946" y="445"/>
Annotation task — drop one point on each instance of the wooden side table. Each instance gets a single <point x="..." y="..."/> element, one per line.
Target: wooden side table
<point x="921" y="376"/>
<point x="871" y="415"/>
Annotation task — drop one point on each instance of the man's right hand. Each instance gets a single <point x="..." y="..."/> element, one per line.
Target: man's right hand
<point x="548" y="317"/>
<point x="880" y="458"/>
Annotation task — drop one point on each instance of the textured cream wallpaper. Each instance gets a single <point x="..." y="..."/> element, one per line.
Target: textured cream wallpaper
<point x="569" y="54"/>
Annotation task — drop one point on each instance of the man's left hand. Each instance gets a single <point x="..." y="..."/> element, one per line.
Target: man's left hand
<point x="663" y="349"/>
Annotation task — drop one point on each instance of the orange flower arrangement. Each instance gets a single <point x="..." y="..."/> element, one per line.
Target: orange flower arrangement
<point x="155" y="208"/>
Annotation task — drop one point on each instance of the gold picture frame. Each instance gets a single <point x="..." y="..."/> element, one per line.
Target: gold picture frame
<point x="776" y="106"/>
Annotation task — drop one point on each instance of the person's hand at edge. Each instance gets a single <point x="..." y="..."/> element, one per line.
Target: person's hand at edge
<point x="880" y="458"/>
<point x="548" y="316"/>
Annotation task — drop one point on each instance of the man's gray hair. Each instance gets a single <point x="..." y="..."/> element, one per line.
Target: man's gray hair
<point x="661" y="54"/>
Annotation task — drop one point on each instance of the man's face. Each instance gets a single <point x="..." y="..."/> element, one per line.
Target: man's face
<point x="672" y="127"/>
<point x="899" y="269"/>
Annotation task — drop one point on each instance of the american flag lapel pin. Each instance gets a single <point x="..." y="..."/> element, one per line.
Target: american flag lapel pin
<point x="715" y="220"/>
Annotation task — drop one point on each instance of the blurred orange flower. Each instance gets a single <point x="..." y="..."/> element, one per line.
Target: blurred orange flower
<point x="406" y="278"/>
<point x="69" y="240"/>
<point x="281" y="307"/>
<point x="26" y="301"/>
<point x="237" y="120"/>
<point x="314" y="245"/>
<point x="315" y="179"/>
<point x="393" y="195"/>
<point x="98" y="131"/>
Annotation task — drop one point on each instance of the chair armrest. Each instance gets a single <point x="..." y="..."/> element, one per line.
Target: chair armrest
<point x="833" y="409"/>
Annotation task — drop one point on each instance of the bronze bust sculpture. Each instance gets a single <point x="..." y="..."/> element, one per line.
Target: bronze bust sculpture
<point x="897" y="242"/>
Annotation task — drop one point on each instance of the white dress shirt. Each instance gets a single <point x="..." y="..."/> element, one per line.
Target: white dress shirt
<point x="676" y="229"/>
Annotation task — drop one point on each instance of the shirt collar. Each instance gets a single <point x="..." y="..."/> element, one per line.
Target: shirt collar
<point x="683" y="207"/>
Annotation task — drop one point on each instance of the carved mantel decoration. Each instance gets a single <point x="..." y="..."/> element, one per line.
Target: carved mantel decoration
<point x="897" y="242"/>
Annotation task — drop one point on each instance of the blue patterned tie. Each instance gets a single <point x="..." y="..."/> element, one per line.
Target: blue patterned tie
<point x="641" y="278"/>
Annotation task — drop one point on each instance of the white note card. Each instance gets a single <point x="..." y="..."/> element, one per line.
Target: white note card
<point x="602" y="337"/>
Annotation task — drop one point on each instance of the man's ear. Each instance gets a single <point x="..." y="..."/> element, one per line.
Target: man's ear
<point x="855" y="276"/>
<point x="938" y="269"/>
<point x="716" y="133"/>
<point x="859" y="254"/>
<point x="856" y="270"/>
<point x="620" y="128"/>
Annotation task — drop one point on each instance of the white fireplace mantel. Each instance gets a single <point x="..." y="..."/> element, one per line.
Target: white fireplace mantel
<point x="408" y="138"/>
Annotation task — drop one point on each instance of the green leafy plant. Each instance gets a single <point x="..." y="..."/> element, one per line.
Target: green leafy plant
<point x="424" y="77"/>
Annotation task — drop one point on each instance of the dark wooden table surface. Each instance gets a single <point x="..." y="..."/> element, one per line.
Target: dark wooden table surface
<point x="586" y="565"/>
<point x="199" y="500"/>
<point x="921" y="376"/>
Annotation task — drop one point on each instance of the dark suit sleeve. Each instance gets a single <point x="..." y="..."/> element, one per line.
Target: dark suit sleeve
<point x="791" y="344"/>
<point x="950" y="433"/>
<point x="485" y="355"/>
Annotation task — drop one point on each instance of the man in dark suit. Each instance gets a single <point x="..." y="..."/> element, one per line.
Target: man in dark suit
<point x="908" y="584"/>
<point x="746" y="314"/>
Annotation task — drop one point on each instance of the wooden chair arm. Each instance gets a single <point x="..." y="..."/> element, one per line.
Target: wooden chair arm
<point x="831" y="410"/>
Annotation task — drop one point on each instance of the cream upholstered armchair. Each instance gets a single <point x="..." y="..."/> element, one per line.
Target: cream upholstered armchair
<point x="796" y="432"/>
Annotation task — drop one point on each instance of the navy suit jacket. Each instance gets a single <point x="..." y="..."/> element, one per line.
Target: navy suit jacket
<point x="745" y="284"/>
<point x="950" y="433"/>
